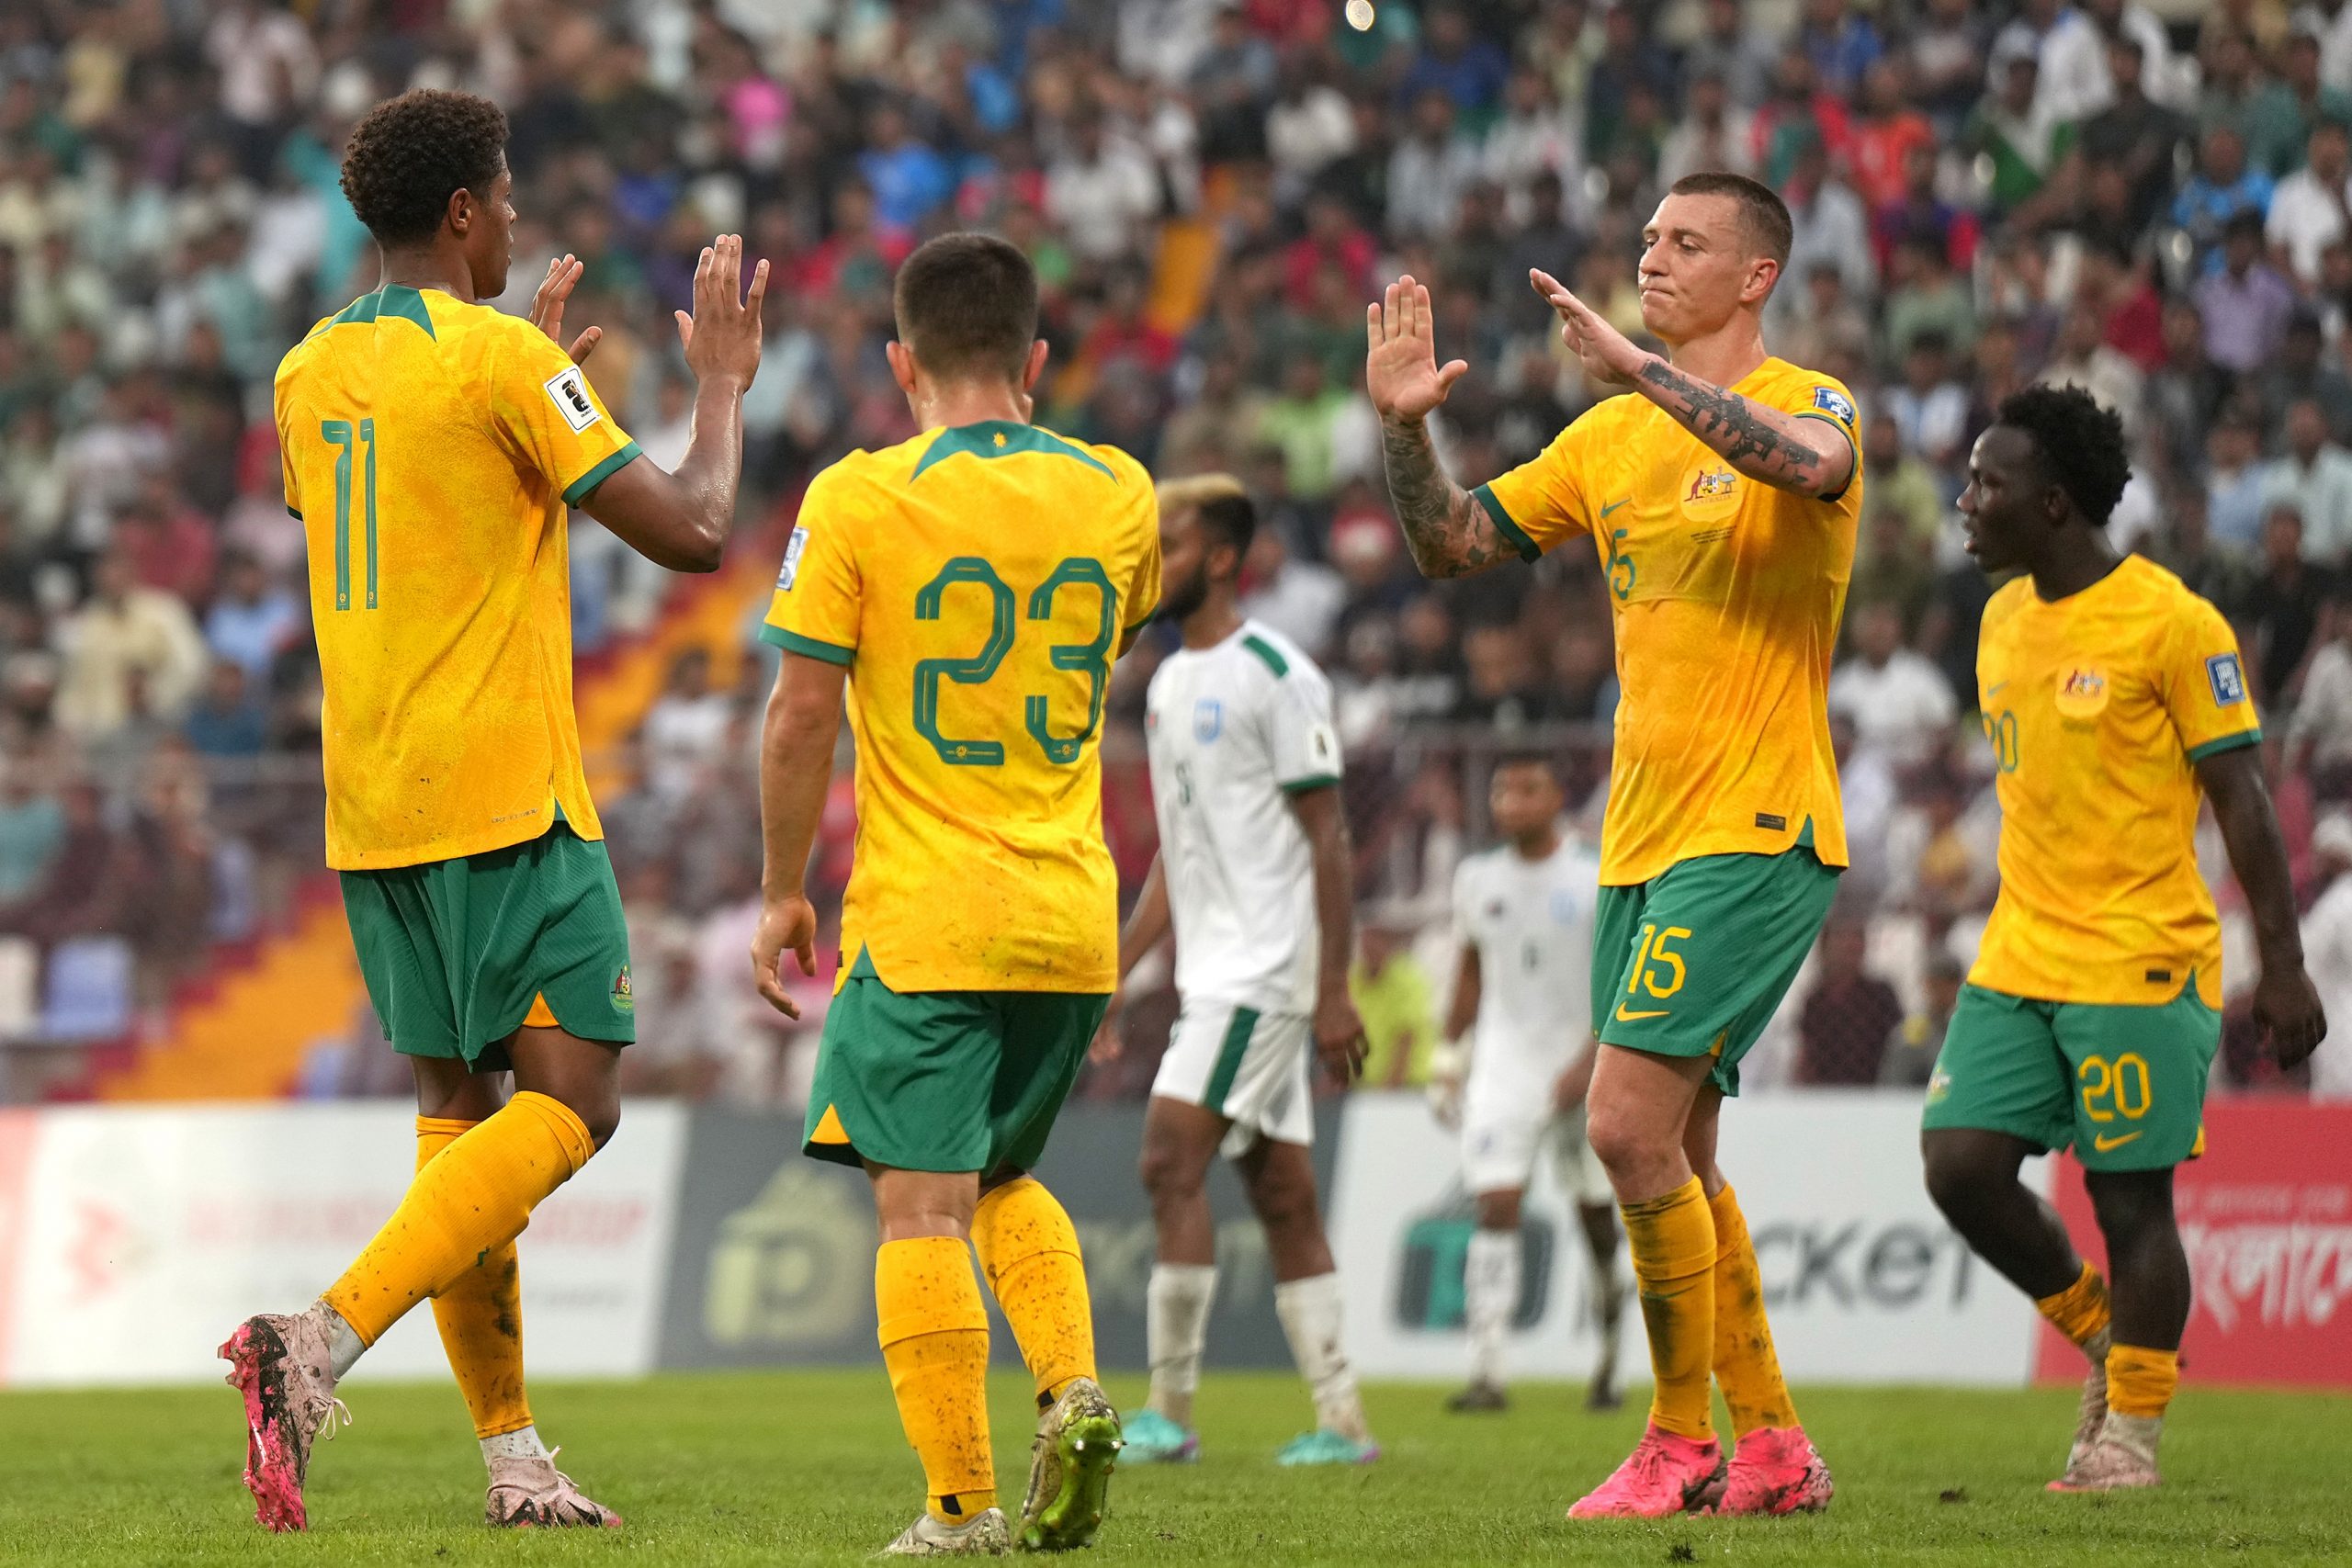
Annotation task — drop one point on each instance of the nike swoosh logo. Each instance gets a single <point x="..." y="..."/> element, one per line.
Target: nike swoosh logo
<point x="2103" y="1143"/>
<point x="1625" y="1017"/>
<point x="1611" y="507"/>
<point x="1995" y="689"/>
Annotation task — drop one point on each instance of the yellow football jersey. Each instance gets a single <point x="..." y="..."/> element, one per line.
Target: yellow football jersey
<point x="431" y="448"/>
<point x="1725" y="594"/>
<point x="2096" y="707"/>
<point x="977" y="583"/>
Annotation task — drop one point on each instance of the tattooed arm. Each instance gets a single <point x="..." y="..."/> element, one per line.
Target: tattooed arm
<point x="1810" y="457"/>
<point x="1448" y="532"/>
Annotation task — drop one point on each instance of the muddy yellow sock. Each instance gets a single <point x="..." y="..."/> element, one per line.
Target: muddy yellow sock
<point x="2139" y="1382"/>
<point x="474" y="1198"/>
<point x="935" y="1343"/>
<point x="479" y="1315"/>
<point x="1745" y="1362"/>
<point x="1673" y="1243"/>
<point x="2080" y="1310"/>
<point x="1029" y="1252"/>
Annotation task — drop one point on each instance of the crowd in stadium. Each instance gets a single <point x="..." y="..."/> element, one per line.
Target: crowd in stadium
<point x="2151" y="202"/>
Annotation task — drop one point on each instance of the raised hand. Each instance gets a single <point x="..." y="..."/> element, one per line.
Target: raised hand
<point x="547" y="306"/>
<point x="722" y="336"/>
<point x="1401" y="373"/>
<point x="1609" y="356"/>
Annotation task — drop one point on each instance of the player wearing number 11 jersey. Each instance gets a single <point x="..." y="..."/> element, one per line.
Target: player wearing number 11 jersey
<point x="432" y="449"/>
<point x="970" y="588"/>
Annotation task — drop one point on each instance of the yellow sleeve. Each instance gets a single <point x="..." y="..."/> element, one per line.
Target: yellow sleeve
<point x="1541" y="502"/>
<point x="814" y="611"/>
<point x="1143" y="588"/>
<point x="1824" y="397"/>
<point x="2204" y="684"/>
<point x="543" y="405"/>
<point x="286" y="476"/>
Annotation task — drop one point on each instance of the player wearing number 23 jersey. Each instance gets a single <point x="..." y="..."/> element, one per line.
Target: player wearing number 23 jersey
<point x="977" y="583"/>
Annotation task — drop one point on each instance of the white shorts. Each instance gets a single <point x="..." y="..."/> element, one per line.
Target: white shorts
<point x="1246" y="1066"/>
<point x="1498" y="1150"/>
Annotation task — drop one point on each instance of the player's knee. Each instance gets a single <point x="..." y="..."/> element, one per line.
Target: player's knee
<point x="601" y="1116"/>
<point x="1170" y="1173"/>
<point x="1497" y="1210"/>
<point x="1957" y="1183"/>
<point x="1628" y="1147"/>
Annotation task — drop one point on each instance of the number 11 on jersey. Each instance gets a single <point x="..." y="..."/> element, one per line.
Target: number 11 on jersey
<point x="339" y="431"/>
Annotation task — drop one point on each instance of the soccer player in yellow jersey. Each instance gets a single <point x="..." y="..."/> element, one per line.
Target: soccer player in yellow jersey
<point x="1721" y="494"/>
<point x="2112" y="695"/>
<point x="433" y="449"/>
<point x="969" y="589"/>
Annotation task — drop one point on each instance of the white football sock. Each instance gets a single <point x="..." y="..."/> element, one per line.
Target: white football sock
<point x="1310" y="1309"/>
<point x="344" y="1344"/>
<point x="1489" y="1297"/>
<point x="523" y="1444"/>
<point x="1176" y="1327"/>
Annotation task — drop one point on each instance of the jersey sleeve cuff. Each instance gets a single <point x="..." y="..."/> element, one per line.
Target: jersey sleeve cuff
<point x="581" y="489"/>
<point x="2225" y="743"/>
<point x="807" y="647"/>
<point x="294" y="515"/>
<point x="1527" y="547"/>
<point x="1852" y="473"/>
<point x="1314" y="780"/>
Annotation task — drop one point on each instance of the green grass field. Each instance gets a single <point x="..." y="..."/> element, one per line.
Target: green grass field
<point x="810" y="1467"/>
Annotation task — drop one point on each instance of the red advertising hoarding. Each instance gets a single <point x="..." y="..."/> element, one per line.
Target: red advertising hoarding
<point x="2267" y="1219"/>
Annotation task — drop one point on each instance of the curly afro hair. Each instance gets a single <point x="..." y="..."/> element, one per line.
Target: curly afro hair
<point x="413" y="153"/>
<point x="2080" y="445"/>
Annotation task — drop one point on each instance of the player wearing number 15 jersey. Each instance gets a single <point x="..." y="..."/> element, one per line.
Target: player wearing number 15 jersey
<point x="432" y="449"/>
<point x="1721" y="493"/>
<point x="2112" y="694"/>
<point x="970" y="588"/>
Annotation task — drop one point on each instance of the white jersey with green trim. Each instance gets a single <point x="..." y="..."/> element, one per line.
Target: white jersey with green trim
<point x="1233" y="731"/>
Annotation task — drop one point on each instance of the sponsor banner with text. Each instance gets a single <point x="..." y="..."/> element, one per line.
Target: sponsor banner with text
<point x="145" y="1235"/>
<point x="2266" y="1217"/>
<point x="1864" y="1281"/>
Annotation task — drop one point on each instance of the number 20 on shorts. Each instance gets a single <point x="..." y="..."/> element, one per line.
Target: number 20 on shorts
<point x="2117" y="1089"/>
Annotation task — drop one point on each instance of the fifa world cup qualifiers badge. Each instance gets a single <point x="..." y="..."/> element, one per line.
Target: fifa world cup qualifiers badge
<point x="2228" y="681"/>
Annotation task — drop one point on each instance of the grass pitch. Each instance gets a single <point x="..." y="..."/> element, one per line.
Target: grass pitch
<point x="810" y="1467"/>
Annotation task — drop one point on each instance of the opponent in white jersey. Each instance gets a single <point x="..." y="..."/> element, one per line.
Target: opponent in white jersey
<point x="1253" y="875"/>
<point x="1523" y="914"/>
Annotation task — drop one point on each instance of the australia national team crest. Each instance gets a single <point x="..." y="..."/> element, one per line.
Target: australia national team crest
<point x="2222" y="672"/>
<point x="1208" y="720"/>
<point x="623" y="995"/>
<point x="2082" y="692"/>
<point x="1710" y="490"/>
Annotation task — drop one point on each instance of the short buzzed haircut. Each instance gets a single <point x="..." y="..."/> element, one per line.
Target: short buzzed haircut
<point x="967" y="306"/>
<point x="1762" y="214"/>
<point x="1222" y="504"/>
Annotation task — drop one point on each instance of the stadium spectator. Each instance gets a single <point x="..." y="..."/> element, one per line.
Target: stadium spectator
<point x="1911" y="1051"/>
<point x="2135" y="135"/>
<point x="2327" y="942"/>
<point x="1899" y="706"/>
<point x="2283" y="603"/>
<point x="1846" y="1020"/>
<point x="2319" y="736"/>
<point x="128" y="646"/>
<point x="2314" y="477"/>
<point x="2299" y="370"/>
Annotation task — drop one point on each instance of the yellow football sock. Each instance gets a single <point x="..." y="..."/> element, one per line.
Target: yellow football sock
<point x="1029" y="1252"/>
<point x="935" y="1342"/>
<point x="1745" y="1364"/>
<point x="2139" y="1382"/>
<point x="474" y="1198"/>
<point x="2080" y="1310"/>
<point x="479" y="1315"/>
<point x="1673" y="1243"/>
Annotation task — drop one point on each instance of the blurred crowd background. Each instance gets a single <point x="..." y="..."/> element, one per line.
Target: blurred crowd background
<point x="2148" y="199"/>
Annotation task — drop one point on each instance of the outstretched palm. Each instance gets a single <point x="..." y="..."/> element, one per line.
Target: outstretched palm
<point x="1402" y="376"/>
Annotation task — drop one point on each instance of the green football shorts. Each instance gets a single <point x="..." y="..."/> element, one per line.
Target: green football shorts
<point x="945" y="1080"/>
<point x="1695" y="960"/>
<point x="2124" y="1085"/>
<point x="459" y="954"/>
